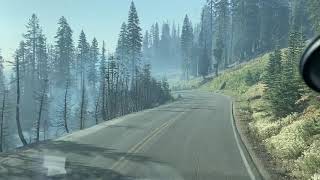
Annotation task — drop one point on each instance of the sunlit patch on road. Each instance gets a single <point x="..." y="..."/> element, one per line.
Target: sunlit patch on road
<point x="55" y="165"/>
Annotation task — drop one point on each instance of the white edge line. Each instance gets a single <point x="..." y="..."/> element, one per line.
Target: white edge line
<point x="244" y="159"/>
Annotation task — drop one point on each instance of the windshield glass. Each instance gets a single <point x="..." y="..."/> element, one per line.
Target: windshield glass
<point x="140" y="89"/>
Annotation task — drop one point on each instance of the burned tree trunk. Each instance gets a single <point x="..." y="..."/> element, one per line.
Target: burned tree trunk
<point x="65" y="108"/>
<point x="42" y="98"/>
<point x="20" y="133"/>
<point x="2" y="121"/>
<point x="82" y="106"/>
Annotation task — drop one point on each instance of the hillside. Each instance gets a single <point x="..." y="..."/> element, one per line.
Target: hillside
<point x="293" y="141"/>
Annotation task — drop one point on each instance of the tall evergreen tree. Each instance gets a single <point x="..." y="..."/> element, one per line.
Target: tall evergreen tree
<point x="222" y="18"/>
<point x="122" y="49"/>
<point x="17" y="64"/>
<point x="31" y="38"/>
<point x="64" y="50"/>
<point x="156" y="39"/>
<point x="93" y="60"/>
<point x="164" y="45"/>
<point x="134" y="39"/>
<point x="204" y="41"/>
<point x="251" y="26"/>
<point x="186" y="46"/>
<point x="83" y="56"/>
<point x="146" y="48"/>
<point x="103" y="86"/>
<point x="43" y="64"/>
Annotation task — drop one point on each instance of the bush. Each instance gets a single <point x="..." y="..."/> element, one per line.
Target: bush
<point x="264" y="128"/>
<point x="289" y="143"/>
<point x="308" y="164"/>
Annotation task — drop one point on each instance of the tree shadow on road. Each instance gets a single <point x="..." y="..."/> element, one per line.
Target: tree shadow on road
<point x="28" y="163"/>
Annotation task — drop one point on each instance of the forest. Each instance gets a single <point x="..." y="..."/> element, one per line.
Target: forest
<point x="63" y="86"/>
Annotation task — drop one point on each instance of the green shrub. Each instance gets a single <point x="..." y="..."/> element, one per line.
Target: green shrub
<point x="289" y="143"/>
<point x="308" y="164"/>
<point x="264" y="128"/>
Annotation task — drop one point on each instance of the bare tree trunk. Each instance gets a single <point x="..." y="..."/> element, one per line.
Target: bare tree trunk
<point x="39" y="115"/>
<point x="96" y="109"/>
<point x="2" y="120"/>
<point x="108" y="94"/>
<point x="126" y="97"/>
<point x="111" y="99"/>
<point x="231" y="60"/>
<point x="65" y="108"/>
<point x="82" y="104"/>
<point x="122" y="98"/>
<point x="103" y="108"/>
<point x="20" y="133"/>
<point x="211" y="30"/>
<point x="45" y="129"/>
<point x="117" y="93"/>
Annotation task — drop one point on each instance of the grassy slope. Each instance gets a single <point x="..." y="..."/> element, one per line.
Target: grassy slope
<point x="178" y="84"/>
<point x="294" y="141"/>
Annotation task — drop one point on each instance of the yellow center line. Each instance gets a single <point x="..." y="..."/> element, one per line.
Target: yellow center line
<point x="139" y="146"/>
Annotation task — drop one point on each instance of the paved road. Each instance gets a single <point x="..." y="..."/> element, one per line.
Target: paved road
<point x="192" y="138"/>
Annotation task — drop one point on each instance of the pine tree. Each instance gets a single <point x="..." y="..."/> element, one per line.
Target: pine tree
<point x="32" y="37"/>
<point x="103" y="75"/>
<point x="273" y="68"/>
<point x="291" y="79"/>
<point x="186" y="46"/>
<point x="146" y="48"/>
<point x="218" y="53"/>
<point x="273" y="80"/>
<point x="66" y="106"/>
<point x="222" y="13"/>
<point x="41" y="95"/>
<point x="35" y="59"/>
<point x="122" y="46"/>
<point x="266" y="14"/>
<point x="251" y="26"/>
<point x="18" y="96"/>
<point x="204" y="63"/>
<point x="284" y="88"/>
<point x="134" y="39"/>
<point x="64" y="50"/>
<point x="164" y="45"/>
<point x="83" y="56"/>
<point x="204" y="43"/>
<point x="156" y="39"/>
<point x="94" y="52"/>
<point x="43" y="64"/>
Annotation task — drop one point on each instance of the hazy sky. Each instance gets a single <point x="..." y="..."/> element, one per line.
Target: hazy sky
<point x="99" y="18"/>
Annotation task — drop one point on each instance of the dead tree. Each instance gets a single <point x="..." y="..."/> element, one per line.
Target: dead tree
<point x="20" y="133"/>
<point x="96" y="111"/>
<point x="41" y="108"/>
<point x="3" y="108"/>
<point x="83" y="103"/>
<point x="65" y="107"/>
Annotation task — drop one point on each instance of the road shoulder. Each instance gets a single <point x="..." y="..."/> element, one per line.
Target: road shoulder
<point x="257" y="154"/>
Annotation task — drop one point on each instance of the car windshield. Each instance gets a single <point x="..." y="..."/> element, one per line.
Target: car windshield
<point x="159" y="90"/>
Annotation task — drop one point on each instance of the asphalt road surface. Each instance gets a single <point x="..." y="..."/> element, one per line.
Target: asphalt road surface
<point x="193" y="138"/>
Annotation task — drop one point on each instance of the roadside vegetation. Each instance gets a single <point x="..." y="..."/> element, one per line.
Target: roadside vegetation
<point x="278" y="110"/>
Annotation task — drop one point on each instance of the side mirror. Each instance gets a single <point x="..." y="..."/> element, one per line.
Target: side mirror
<point x="310" y="65"/>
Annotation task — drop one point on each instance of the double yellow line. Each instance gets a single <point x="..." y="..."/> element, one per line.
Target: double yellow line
<point x="139" y="146"/>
